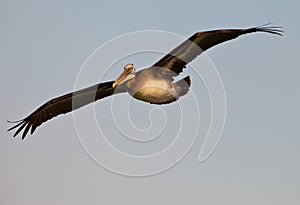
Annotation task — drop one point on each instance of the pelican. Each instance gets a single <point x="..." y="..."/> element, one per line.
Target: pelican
<point x="154" y="84"/>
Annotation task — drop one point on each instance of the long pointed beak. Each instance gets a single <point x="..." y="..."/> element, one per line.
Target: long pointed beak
<point x="120" y="78"/>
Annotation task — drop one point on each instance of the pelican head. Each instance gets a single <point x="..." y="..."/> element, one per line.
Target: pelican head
<point x="127" y="74"/>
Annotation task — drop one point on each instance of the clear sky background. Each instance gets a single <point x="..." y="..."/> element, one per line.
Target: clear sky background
<point x="42" y="47"/>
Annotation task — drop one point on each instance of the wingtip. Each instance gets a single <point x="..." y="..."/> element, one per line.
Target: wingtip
<point x="20" y="126"/>
<point x="277" y="30"/>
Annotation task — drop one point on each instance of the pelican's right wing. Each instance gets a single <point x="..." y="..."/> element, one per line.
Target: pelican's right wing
<point x="64" y="104"/>
<point x="178" y="58"/>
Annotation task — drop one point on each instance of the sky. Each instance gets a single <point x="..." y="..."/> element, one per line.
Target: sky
<point x="49" y="48"/>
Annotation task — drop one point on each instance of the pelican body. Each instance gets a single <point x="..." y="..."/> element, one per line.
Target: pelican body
<point x="154" y="84"/>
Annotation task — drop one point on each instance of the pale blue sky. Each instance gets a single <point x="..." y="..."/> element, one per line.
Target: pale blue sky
<point x="44" y="44"/>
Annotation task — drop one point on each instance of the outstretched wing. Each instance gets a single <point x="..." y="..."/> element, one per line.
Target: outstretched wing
<point x="177" y="59"/>
<point x="64" y="104"/>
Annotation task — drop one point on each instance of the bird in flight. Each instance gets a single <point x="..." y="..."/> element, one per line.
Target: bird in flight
<point x="154" y="84"/>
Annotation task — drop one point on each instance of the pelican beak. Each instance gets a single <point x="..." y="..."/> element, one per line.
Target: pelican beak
<point x="121" y="77"/>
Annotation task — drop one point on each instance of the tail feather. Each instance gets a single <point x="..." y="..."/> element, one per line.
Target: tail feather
<point x="183" y="86"/>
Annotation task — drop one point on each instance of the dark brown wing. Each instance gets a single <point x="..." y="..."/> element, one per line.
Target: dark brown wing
<point x="64" y="104"/>
<point x="177" y="59"/>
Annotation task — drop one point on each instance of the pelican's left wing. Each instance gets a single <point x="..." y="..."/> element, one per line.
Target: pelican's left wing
<point x="178" y="58"/>
<point x="64" y="104"/>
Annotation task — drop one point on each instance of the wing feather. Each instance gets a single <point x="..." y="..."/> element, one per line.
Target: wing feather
<point x="179" y="57"/>
<point x="63" y="105"/>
